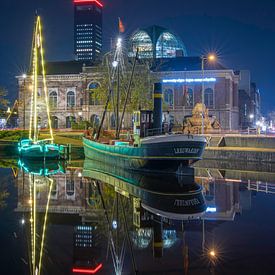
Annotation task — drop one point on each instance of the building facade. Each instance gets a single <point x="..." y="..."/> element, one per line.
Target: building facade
<point x="71" y="99"/>
<point x="182" y="90"/>
<point x="87" y="29"/>
<point x="71" y="84"/>
<point x="249" y="101"/>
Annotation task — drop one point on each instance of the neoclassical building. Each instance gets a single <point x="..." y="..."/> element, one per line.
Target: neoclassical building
<point x="70" y="92"/>
<point x="71" y="84"/>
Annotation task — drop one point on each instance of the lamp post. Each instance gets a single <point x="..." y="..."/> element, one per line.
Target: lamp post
<point x="24" y="76"/>
<point x="210" y="58"/>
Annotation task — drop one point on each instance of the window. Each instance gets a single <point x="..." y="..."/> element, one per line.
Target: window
<point x="53" y="99"/>
<point x="54" y="120"/>
<point x="69" y="120"/>
<point x="93" y="97"/>
<point x="168" y="97"/>
<point x="70" y="99"/>
<point x="189" y="97"/>
<point x="95" y="121"/>
<point x="209" y="98"/>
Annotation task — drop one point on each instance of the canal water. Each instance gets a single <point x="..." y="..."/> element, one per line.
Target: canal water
<point x="88" y="218"/>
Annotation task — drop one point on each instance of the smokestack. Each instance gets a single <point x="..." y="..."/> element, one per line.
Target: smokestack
<point x="157" y="114"/>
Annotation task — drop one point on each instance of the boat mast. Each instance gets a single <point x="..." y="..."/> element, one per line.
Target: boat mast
<point x="45" y="88"/>
<point x="117" y="103"/>
<point x="38" y="59"/>
<point x="35" y="88"/>
<point x="127" y="94"/>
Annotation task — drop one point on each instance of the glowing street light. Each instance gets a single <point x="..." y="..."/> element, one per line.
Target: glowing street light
<point x="119" y="42"/>
<point x="212" y="253"/>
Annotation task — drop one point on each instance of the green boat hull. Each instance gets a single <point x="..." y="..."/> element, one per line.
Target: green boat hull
<point x="30" y="150"/>
<point x="161" y="156"/>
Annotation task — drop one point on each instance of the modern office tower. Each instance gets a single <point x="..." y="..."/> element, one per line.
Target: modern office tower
<point x="87" y="29"/>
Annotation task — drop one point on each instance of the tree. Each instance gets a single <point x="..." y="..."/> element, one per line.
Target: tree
<point x="140" y="90"/>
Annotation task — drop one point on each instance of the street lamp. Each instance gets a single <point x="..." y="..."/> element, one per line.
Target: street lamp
<point x="211" y="58"/>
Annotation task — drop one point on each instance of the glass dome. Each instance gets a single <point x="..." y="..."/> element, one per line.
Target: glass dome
<point x="142" y="41"/>
<point x="169" y="46"/>
<point x="156" y="42"/>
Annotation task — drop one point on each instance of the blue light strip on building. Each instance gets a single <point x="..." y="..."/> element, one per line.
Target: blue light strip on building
<point x="189" y="80"/>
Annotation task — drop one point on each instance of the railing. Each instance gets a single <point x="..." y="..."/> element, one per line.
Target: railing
<point x="154" y="132"/>
<point x="262" y="187"/>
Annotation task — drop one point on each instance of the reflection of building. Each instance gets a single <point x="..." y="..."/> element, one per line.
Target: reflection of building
<point x="223" y="201"/>
<point x="67" y="196"/>
<point x="87" y="29"/>
<point x="86" y="249"/>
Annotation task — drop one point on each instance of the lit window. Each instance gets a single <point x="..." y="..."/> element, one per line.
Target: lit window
<point x="70" y="99"/>
<point x="209" y="98"/>
<point x="53" y="99"/>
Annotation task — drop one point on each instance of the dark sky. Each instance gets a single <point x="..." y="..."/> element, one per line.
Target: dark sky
<point x="241" y="31"/>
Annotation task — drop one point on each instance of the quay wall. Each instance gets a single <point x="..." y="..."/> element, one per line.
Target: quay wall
<point x="248" y="141"/>
<point x="239" y="155"/>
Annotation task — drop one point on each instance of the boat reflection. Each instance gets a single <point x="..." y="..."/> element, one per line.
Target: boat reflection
<point x="176" y="197"/>
<point x="95" y="219"/>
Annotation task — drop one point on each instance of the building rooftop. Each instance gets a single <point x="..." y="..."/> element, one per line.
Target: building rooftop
<point x="66" y="67"/>
<point x="184" y="64"/>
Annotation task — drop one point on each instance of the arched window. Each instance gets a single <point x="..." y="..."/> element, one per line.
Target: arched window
<point x="53" y="99"/>
<point x="54" y="120"/>
<point x="168" y="45"/>
<point x="70" y="187"/>
<point x="39" y="122"/>
<point x="113" y="121"/>
<point x="168" y="97"/>
<point x="95" y="121"/>
<point x="93" y="97"/>
<point x="189" y="97"/>
<point x="69" y="120"/>
<point x="70" y="99"/>
<point x="209" y="98"/>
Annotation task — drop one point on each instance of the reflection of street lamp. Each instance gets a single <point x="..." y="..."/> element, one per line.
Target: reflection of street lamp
<point x="210" y="58"/>
<point x="24" y="76"/>
<point x="212" y="254"/>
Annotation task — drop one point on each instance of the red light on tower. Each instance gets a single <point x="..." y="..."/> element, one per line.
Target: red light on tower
<point x="88" y="2"/>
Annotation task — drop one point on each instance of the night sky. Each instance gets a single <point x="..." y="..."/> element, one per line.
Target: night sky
<point x="241" y="31"/>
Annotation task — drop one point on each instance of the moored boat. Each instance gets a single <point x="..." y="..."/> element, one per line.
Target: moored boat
<point x="164" y="153"/>
<point x="33" y="148"/>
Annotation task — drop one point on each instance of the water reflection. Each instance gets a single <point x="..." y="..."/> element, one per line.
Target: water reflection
<point x="91" y="218"/>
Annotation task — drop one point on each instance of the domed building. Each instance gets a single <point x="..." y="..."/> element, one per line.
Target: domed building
<point x="156" y="42"/>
